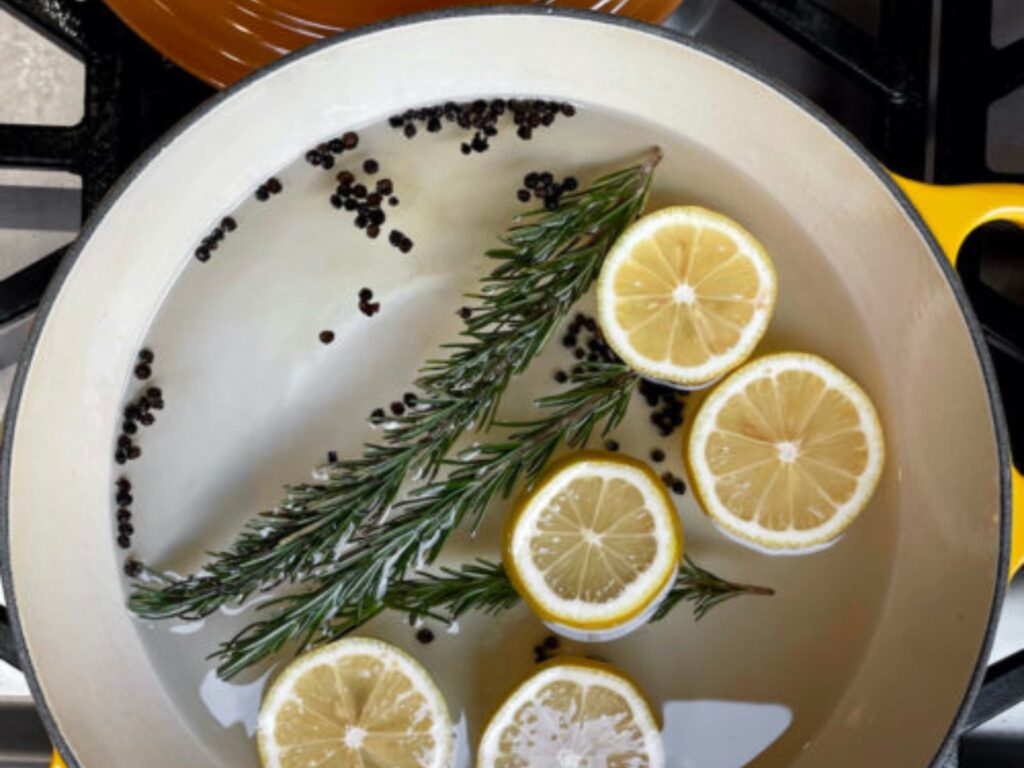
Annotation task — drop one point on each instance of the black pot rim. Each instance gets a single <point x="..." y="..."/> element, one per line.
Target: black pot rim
<point x="97" y="216"/>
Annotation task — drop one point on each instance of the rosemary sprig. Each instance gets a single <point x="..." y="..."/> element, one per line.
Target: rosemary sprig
<point x="484" y="586"/>
<point x="704" y="590"/>
<point x="355" y="587"/>
<point x="547" y="262"/>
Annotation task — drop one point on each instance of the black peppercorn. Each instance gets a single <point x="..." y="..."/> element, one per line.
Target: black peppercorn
<point x="374" y="199"/>
<point x="551" y="642"/>
<point x="313" y="157"/>
<point x="657" y="455"/>
<point x="561" y="377"/>
<point x="143" y="371"/>
<point x="409" y="130"/>
<point x="579" y="354"/>
<point x="202" y="253"/>
<point x="465" y="313"/>
<point x="377" y="416"/>
<point x="350" y="140"/>
<point x="395" y="121"/>
<point x="123" y="541"/>
<point x="373" y="231"/>
<point x="570" y="184"/>
<point x="147" y="419"/>
<point x="569" y="340"/>
<point x="371" y="166"/>
<point x="132" y="568"/>
<point x="365" y="294"/>
<point x="262" y="194"/>
<point x="332" y="457"/>
<point x="351" y="204"/>
<point x="376" y="217"/>
<point x="359" y="191"/>
<point x="405" y="246"/>
<point x="523" y="195"/>
<point x="410" y="399"/>
<point x="392" y="201"/>
<point x="568" y="109"/>
<point x="326" y="337"/>
<point x="134" y="452"/>
<point x="345" y="178"/>
<point x="397" y="408"/>
<point x="530" y="180"/>
<point x="336" y="201"/>
<point x="274" y="185"/>
<point x="425" y="635"/>
<point x="433" y="125"/>
<point x="120" y="456"/>
<point x="123" y="515"/>
<point x="466" y="149"/>
<point x="524" y="132"/>
<point x="385" y="186"/>
<point x="678" y="487"/>
<point x="146" y="356"/>
<point x="124" y="442"/>
<point x="123" y="498"/>
<point x="611" y="445"/>
<point x="129" y="427"/>
<point x="126" y="529"/>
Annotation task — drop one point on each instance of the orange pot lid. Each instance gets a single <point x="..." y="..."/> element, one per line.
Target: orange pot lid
<point x="221" y="41"/>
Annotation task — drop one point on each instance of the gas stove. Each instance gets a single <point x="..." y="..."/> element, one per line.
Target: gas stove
<point x="934" y="88"/>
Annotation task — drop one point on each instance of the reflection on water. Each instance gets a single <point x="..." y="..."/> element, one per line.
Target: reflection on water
<point x="232" y="703"/>
<point x="720" y="734"/>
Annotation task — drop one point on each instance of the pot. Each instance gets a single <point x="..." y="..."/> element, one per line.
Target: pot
<point x="871" y="653"/>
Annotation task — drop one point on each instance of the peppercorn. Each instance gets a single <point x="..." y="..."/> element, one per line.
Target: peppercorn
<point x="202" y="253"/>
<point x="129" y="427"/>
<point x="126" y="529"/>
<point x="274" y="185"/>
<point x="146" y="355"/>
<point x="373" y="231"/>
<point x="365" y="294"/>
<point x="350" y="140"/>
<point x="123" y="515"/>
<point x="385" y="186"/>
<point x="569" y="340"/>
<point x="134" y="452"/>
<point x="409" y="130"/>
<point x="123" y="541"/>
<point x="313" y="157"/>
<point x="425" y="635"/>
<point x="678" y="487"/>
<point x="392" y="201"/>
<point x="611" y="445"/>
<point x="397" y="408"/>
<point x="143" y="371"/>
<point x="377" y="416"/>
<point x="561" y="377"/>
<point x="465" y="313"/>
<point x="147" y="419"/>
<point x="332" y="457"/>
<point x="551" y="642"/>
<point x="466" y="149"/>
<point x="123" y="498"/>
<point x="523" y="195"/>
<point x="374" y="199"/>
<point x="579" y="354"/>
<point x="336" y="201"/>
<point x="657" y="455"/>
<point x="326" y="337"/>
<point x="132" y="568"/>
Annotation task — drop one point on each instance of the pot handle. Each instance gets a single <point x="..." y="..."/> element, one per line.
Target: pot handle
<point x="952" y="213"/>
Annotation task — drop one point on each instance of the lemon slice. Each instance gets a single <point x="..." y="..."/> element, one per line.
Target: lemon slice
<point x="786" y="452"/>
<point x="356" y="703"/>
<point x="573" y="714"/>
<point x="596" y="544"/>
<point x="685" y="295"/>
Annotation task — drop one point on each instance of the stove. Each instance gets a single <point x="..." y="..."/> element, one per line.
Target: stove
<point x="934" y="88"/>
